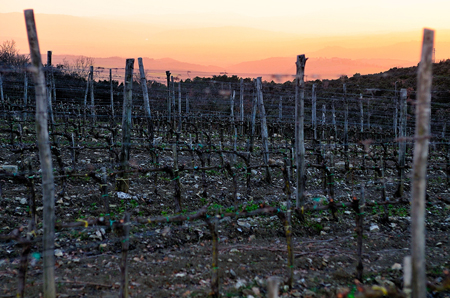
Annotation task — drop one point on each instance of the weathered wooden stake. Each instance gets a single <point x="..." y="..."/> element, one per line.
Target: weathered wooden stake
<point x="179" y="107"/>
<point x="419" y="177"/>
<point x="111" y="90"/>
<point x="361" y="112"/>
<point x="169" y="107"/>
<point x="264" y="131"/>
<point x="233" y="121"/>
<point x="48" y="187"/>
<point x="91" y="74"/>
<point x="241" y="105"/>
<point x="324" y="120"/>
<point x="148" y="112"/>
<point x="172" y="83"/>
<point x="299" y="130"/>
<point x="333" y="119"/>
<point x="396" y="112"/>
<point x="123" y="182"/>
<point x="85" y="97"/>
<point x="407" y="276"/>
<point x="314" y="110"/>
<point x="273" y="284"/>
<point x="25" y="94"/>
<point x="53" y="87"/>
<point x="49" y="88"/>
<point x="280" y="109"/>
<point x="402" y="143"/>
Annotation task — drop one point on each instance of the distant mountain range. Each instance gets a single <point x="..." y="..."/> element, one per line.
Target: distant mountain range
<point x="278" y="69"/>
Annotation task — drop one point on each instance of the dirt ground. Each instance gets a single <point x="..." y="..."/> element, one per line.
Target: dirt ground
<point x="174" y="260"/>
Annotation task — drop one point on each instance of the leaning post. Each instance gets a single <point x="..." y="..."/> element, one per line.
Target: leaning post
<point x="48" y="185"/>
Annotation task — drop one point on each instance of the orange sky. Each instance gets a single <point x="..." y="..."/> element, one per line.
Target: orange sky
<point x="226" y="34"/>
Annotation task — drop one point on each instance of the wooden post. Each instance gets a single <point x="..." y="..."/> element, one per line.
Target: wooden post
<point x="86" y="96"/>
<point x="91" y="74"/>
<point x="53" y="87"/>
<point x="49" y="58"/>
<point x="264" y="132"/>
<point x="233" y="123"/>
<point x="241" y="105"/>
<point x="324" y="120"/>
<point x="25" y="90"/>
<point x="299" y="125"/>
<point x="148" y="112"/>
<point x="280" y="109"/>
<point x="25" y="95"/>
<point x="369" y="112"/>
<point x="179" y="107"/>
<point x="273" y="284"/>
<point x="361" y="111"/>
<point x="419" y="179"/>
<point x="111" y="92"/>
<point x="253" y="119"/>
<point x="232" y="95"/>
<point x="48" y="187"/>
<point x="169" y="108"/>
<point x="396" y="112"/>
<point x="402" y="143"/>
<point x="314" y="110"/>
<point x="123" y="182"/>
<point x="49" y="88"/>
<point x="407" y="276"/>
<point x="333" y="119"/>
<point x="173" y="95"/>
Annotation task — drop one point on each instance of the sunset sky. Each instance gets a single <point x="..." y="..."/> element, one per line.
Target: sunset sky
<point x="226" y="33"/>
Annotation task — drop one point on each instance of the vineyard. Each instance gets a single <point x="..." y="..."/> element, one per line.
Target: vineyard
<point x="217" y="187"/>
